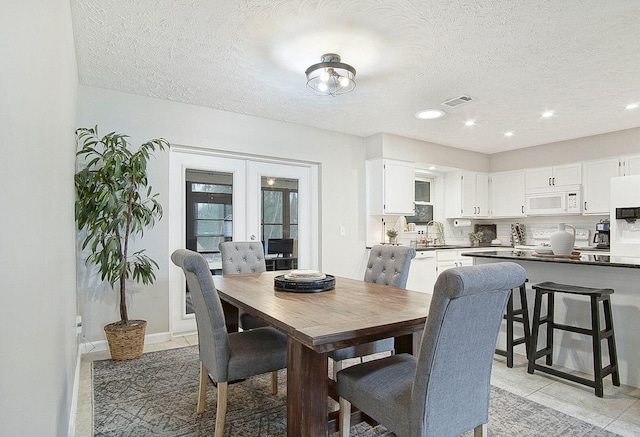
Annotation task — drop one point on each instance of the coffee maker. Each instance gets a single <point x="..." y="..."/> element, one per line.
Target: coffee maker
<point x="601" y="237"/>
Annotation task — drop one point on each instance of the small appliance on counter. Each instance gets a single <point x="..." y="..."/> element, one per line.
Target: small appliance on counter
<point x="601" y="237"/>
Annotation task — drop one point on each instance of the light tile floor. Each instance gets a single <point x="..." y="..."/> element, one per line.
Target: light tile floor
<point x="618" y="411"/>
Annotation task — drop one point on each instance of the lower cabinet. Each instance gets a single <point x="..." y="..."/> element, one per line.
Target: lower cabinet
<point x="447" y="259"/>
<point x="422" y="274"/>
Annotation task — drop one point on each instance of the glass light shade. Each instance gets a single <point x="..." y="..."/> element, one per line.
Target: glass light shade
<point x="330" y="77"/>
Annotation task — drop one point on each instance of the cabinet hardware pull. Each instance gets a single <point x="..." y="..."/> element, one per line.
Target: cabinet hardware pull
<point x="549" y="181"/>
<point x="554" y="181"/>
<point x="585" y="206"/>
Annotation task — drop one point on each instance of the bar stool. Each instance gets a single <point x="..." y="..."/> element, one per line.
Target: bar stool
<point x="596" y="332"/>
<point x="520" y="315"/>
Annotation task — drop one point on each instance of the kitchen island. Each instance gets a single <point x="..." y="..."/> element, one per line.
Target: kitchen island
<point x="573" y="350"/>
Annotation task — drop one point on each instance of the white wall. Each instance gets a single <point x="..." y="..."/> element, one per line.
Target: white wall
<point x="38" y="86"/>
<point x="341" y="159"/>
<point x="624" y="142"/>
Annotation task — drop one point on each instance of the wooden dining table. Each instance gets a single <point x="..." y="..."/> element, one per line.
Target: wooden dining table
<point x="352" y="313"/>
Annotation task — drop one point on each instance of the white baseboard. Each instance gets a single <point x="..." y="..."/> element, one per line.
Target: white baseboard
<point x="74" y="398"/>
<point x="102" y="345"/>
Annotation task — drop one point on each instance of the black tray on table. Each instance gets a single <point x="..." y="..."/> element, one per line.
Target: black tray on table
<point x="281" y="283"/>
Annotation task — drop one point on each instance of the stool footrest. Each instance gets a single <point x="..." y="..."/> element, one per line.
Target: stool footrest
<point x="565" y="375"/>
<point x="575" y="329"/>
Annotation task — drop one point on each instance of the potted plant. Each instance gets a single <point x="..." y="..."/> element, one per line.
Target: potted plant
<point x="392" y="234"/>
<point x="476" y="238"/>
<point x="114" y="202"/>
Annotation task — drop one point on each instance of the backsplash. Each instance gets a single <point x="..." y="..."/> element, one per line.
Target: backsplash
<point x="460" y="235"/>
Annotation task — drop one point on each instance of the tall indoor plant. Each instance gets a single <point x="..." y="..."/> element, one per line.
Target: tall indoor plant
<point x="114" y="202"/>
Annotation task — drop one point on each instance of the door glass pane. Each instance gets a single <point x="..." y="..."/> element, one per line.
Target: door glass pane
<point x="209" y="216"/>
<point x="279" y="222"/>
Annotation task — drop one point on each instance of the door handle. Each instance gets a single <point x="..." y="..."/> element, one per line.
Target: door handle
<point x="253" y="237"/>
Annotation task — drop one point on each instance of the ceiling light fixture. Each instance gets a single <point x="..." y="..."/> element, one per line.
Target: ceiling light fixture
<point x="331" y="77"/>
<point x="548" y="114"/>
<point x="632" y="106"/>
<point x="508" y="134"/>
<point x="469" y="122"/>
<point x="429" y="114"/>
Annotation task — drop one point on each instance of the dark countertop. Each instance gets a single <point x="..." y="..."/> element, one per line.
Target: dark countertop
<point x="594" y="260"/>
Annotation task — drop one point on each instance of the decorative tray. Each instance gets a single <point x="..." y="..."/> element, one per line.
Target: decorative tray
<point x="304" y="284"/>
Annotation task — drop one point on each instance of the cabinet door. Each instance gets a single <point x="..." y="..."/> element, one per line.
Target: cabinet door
<point x="468" y="206"/>
<point x="567" y="175"/>
<point x="596" y="185"/>
<point x="507" y="194"/>
<point x="482" y="195"/>
<point x="631" y="165"/>
<point x="538" y="177"/>
<point x="398" y="187"/>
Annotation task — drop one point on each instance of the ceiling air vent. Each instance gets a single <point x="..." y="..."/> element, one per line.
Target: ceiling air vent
<point x="457" y="101"/>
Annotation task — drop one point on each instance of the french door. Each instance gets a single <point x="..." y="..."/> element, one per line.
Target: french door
<point x="216" y="198"/>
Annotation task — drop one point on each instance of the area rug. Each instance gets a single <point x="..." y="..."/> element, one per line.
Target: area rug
<point x="155" y="395"/>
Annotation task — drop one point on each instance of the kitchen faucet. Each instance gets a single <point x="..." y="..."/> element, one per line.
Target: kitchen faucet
<point x="439" y="232"/>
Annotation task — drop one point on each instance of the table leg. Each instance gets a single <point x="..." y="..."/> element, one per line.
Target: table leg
<point x="307" y="372"/>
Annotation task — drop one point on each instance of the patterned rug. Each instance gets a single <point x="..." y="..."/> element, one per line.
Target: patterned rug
<point x="155" y="395"/>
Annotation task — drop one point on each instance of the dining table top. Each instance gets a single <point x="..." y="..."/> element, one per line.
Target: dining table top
<point x="354" y="312"/>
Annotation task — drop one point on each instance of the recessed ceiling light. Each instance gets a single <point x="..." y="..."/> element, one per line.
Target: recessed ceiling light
<point x="429" y="114"/>
<point x="632" y="106"/>
<point x="469" y="122"/>
<point x="508" y="134"/>
<point x="433" y="167"/>
<point x="548" y="114"/>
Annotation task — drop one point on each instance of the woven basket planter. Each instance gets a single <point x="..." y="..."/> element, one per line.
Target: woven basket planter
<point x="126" y="342"/>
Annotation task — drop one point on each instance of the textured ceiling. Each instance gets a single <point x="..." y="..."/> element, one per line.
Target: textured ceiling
<point x="517" y="58"/>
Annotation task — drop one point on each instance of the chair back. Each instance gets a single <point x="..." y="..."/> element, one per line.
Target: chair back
<point x="213" y="339"/>
<point x="389" y="265"/>
<point x="451" y="389"/>
<point x="242" y="257"/>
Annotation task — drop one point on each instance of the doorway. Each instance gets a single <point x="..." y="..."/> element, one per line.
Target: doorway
<point x="215" y="198"/>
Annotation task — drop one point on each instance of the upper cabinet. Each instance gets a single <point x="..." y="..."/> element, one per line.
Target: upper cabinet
<point x="467" y="194"/>
<point x="596" y="185"/>
<point x="630" y="165"/>
<point x="390" y="187"/>
<point x="507" y="194"/>
<point x="556" y="176"/>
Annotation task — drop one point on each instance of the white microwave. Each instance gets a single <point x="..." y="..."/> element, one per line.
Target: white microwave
<point x="566" y="200"/>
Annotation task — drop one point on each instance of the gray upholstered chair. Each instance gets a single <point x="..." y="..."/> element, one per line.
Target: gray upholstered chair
<point x="226" y="357"/>
<point x="445" y="391"/>
<point x="388" y="265"/>
<point x="243" y="257"/>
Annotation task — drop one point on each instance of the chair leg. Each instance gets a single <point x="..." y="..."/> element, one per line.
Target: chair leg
<point x="202" y="389"/>
<point x="480" y="430"/>
<point x="221" y="410"/>
<point x="345" y="417"/>
<point x="274" y="382"/>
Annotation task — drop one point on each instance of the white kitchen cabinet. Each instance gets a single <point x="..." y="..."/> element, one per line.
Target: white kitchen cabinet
<point x="390" y="187"/>
<point x="507" y="194"/>
<point x="596" y="185"/>
<point x="422" y="273"/>
<point x="449" y="258"/>
<point x="467" y="194"/>
<point x="555" y="176"/>
<point x="630" y="165"/>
